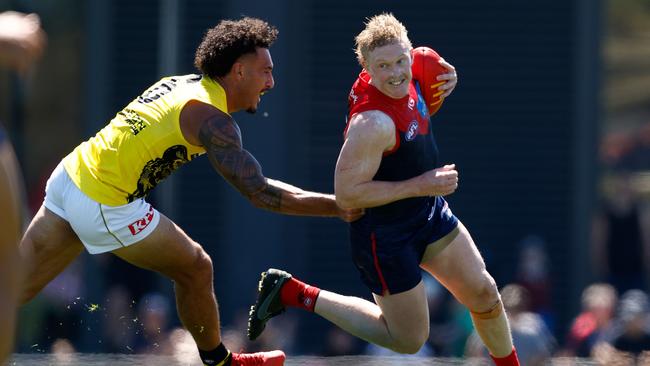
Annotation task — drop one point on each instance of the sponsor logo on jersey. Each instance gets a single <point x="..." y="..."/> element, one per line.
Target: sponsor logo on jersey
<point x="353" y="96"/>
<point x="411" y="103"/>
<point x="133" y="119"/>
<point x="142" y="223"/>
<point x="411" y="131"/>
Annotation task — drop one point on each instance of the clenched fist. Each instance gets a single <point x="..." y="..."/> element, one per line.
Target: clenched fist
<point x="439" y="182"/>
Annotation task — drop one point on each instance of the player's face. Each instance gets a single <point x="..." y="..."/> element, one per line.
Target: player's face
<point x="390" y="69"/>
<point x="257" y="78"/>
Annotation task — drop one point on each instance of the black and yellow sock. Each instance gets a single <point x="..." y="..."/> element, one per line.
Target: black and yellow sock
<point x="219" y="356"/>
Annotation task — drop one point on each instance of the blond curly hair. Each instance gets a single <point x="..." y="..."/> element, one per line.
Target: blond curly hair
<point x="380" y="30"/>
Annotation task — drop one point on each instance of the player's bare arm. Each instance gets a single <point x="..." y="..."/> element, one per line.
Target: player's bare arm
<point x="369" y="135"/>
<point x="221" y="137"/>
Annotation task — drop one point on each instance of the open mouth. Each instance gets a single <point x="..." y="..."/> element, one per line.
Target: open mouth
<point x="259" y="98"/>
<point x="397" y="82"/>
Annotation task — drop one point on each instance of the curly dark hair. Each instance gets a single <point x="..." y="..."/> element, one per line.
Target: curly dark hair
<point x="228" y="40"/>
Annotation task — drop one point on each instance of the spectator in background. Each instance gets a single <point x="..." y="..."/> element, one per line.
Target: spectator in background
<point x="632" y="334"/>
<point x="117" y="334"/>
<point x="21" y="43"/>
<point x="598" y="305"/>
<point x="628" y="341"/>
<point x="621" y="242"/>
<point x="533" y="275"/>
<point x="534" y="342"/>
<point x="154" y="313"/>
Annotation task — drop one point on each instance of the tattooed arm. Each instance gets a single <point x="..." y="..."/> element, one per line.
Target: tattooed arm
<point x="221" y="137"/>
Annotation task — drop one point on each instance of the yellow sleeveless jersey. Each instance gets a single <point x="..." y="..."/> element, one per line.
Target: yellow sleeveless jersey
<point x="143" y="144"/>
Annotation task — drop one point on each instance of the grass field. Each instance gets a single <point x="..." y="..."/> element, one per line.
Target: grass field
<point x="77" y="359"/>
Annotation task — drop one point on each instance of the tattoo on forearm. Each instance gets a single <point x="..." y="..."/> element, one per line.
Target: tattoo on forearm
<point x="270" y="197"/>
<point x="221" y="138"/>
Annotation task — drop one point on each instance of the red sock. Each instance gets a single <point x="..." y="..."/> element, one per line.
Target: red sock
<point x="509" y="360"/>
<point x="298" y="294"/>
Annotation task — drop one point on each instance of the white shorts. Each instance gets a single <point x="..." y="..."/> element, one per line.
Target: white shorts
<point x="101" y="228"/>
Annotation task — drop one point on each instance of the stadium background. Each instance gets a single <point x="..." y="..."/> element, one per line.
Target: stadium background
<point x="537" y="93"/>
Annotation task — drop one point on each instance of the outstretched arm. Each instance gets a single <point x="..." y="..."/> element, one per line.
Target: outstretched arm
<point x="221" y="137"/>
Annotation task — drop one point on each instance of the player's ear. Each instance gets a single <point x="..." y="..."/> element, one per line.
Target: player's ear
<point x="237" y="70"/>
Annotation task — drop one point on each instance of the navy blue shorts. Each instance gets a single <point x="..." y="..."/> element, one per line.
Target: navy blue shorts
<point x="388" y="256"/>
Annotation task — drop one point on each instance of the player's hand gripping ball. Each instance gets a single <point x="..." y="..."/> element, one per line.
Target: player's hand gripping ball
<point x="425" y="69"/>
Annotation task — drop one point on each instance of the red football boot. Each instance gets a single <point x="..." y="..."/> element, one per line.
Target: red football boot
<point x="272" y="358"/>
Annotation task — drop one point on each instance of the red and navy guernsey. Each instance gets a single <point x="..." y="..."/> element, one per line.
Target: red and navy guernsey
<point x="415" y="150"/>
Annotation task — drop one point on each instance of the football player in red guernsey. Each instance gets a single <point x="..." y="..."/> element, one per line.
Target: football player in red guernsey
<point x="388" y="165"/>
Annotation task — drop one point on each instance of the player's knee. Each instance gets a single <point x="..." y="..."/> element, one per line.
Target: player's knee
<point x="203" y="266"/>
<point x="198" y="271"/>
<point x="484" y="294"/>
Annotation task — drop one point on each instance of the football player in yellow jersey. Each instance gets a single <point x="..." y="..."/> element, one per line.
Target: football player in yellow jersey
<point x="96" y="197"/>
<point x="22" y="42"/>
